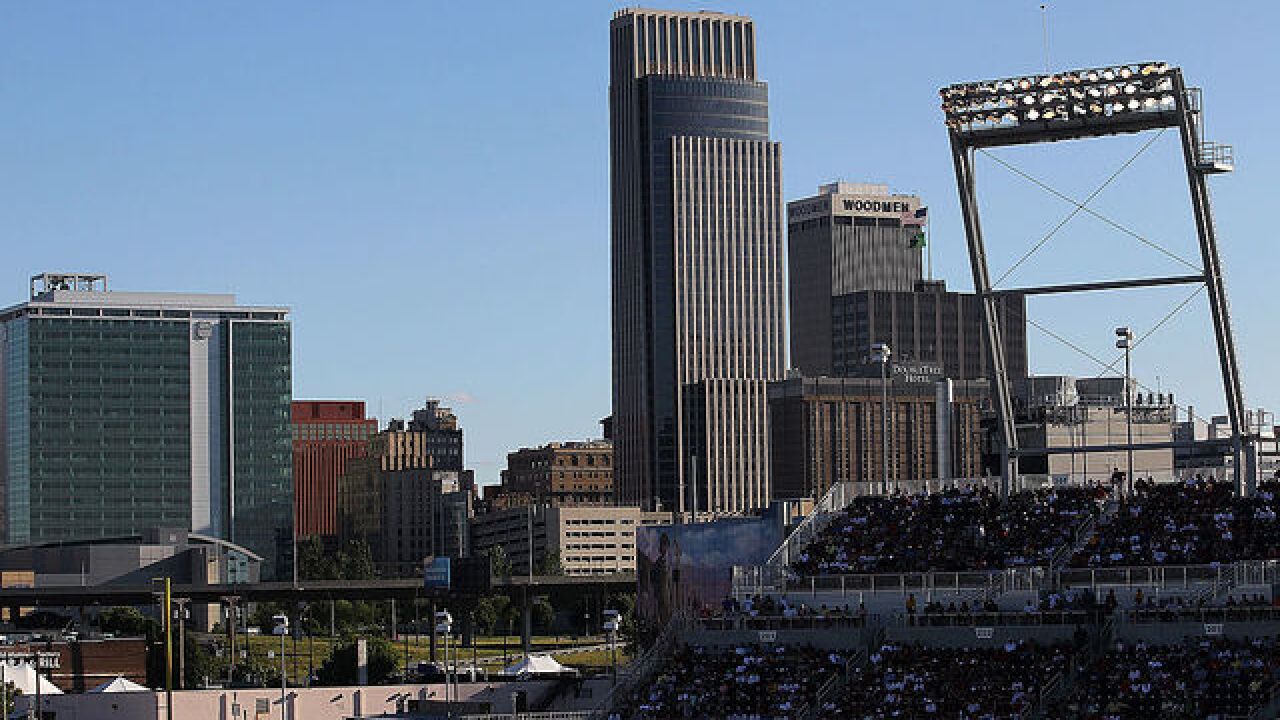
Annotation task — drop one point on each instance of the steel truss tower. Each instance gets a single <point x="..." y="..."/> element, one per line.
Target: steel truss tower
<point x="1082" y="104"/>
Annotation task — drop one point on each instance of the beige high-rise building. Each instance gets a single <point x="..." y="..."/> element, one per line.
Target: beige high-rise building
<point x="697" y="262"/>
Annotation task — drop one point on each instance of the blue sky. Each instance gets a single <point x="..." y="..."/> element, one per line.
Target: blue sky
<point x="426" y="184"/>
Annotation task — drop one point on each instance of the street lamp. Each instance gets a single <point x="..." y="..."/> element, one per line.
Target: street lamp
<point x="880" y="352"/>
<point x="282" y="629"/>
<point x="1125" y="342"/>
<point x="444" y="626"/>
<point x="613" y="621"/>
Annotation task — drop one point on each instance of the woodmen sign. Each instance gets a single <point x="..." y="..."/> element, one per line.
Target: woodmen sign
<point x="872" y="206"/>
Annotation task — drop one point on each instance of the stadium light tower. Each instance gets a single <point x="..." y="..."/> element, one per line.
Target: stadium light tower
<point x="1080" y="104"/>
<point x="1124" y="341"/>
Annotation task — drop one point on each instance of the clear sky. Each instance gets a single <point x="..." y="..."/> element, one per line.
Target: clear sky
<point x="426" y="183"/>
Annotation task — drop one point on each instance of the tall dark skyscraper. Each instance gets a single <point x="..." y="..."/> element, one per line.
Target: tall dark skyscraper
<point x="697" y="261"/>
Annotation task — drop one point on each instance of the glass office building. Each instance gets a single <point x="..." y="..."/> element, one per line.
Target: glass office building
<point x="124" y="412"/>
<point x="696" y="253"/>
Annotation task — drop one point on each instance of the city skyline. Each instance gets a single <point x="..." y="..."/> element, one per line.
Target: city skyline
<point x="214" y="185"/>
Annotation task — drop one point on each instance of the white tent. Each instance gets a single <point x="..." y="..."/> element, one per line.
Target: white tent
<point x="538" y="664"/>
<point x="120" y="684"/>
<point x="23" y="677"/>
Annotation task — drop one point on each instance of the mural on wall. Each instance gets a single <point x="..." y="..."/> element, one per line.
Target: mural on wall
<point x="690" y="567"/>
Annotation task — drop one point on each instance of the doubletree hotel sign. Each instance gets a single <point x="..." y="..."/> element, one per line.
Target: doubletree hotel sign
<point x="918" y="372"/>
<point x="903" y="371"/>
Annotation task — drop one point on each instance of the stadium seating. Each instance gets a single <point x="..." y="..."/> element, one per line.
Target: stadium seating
<point x="1198" y="678"/>
<point x="755" y="682"/>
<point x="1186" y="523"/>
<point x="955" y="530"/>
<point x="912" y="681"/>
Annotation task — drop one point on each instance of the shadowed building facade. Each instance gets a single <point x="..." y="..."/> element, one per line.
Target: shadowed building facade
<point x="697" y="265"/>
<point x="828" y="430"/>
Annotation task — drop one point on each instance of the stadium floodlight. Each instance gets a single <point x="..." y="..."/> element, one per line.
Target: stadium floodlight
<point x="1076" y="103"/>
<point x="1073" y="105"/>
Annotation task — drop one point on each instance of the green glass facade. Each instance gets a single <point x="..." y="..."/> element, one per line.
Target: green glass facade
<point x="116" y="419"/>
<point x="262" y="442"/>
<point x="108" y="427"/>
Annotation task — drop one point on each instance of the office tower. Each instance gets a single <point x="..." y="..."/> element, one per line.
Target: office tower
<point x="326" y="434"/>
<point x="127" y="411"/>
<point x="697" y="266"/>
<point x="929" y="325"/>
<point x="848" y="237"/>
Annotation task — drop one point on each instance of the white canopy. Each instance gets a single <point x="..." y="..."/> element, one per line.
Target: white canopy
<point x="538" y="664"/>
<point x="23" y="677"/>
<point x="120" y="684"/>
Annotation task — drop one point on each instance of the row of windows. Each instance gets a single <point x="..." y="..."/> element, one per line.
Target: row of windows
<point x="598" y="546"/>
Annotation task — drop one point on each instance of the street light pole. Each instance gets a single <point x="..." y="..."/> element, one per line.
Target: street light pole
<point x="444" y="626"/>
<point x="881" y="352"/>
<point x="282" y="629"/>
<point x="181" y="604"/>
<point x="1126" y="343"/>
<point x="612" y="621"/>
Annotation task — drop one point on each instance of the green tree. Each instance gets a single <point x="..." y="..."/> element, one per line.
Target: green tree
<point x="499" y="563"/>
<point x="123" y="621"/>
<point x="488" y="611"/>
<point x="355" y="561"/>
<point x="544" y="616"/>
<point x="340" y="668"/>
<point x="549" y="564"/>
<point x="313" y="562"/>
<point x="263" y="616"/>
<point x="199" y="667"/>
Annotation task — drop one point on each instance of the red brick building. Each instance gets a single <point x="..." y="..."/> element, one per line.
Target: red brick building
<point x="81" y="665"/>
<point x="326" y="434"/>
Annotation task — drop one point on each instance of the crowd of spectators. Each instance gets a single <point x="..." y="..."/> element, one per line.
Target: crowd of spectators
<point x="911" y="681"/>
<point x="962" y="529"/>
<point x="1193" y="522"/>
<point x="744" y="683"/>
<point x="1199" y="678"/>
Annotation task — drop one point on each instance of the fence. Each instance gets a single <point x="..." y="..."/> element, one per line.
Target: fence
<point x="752" y="580"/>
<point x="1239" y="613"/>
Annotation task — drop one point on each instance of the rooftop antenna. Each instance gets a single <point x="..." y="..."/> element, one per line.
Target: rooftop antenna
<point x="1044" y="25"/>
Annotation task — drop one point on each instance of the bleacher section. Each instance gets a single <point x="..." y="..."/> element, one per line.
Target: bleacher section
<point x="958" y="530"/>
<point x="1052" y="603"/>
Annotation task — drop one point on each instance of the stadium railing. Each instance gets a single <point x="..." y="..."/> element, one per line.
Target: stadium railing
<point x="1207" y="615"/>
<point x="752" y="580"/>
<point x="642" y="668"/>
<point x="1157" y="576"/>
<point x="779" y="622"/>
<point x="989" y="619"/>
<point x="837" y="498"/>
